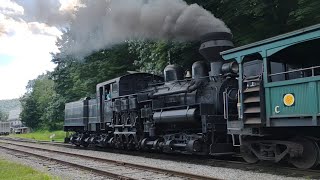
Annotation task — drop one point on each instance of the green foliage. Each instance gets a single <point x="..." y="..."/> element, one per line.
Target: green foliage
<point x="29" y="114"/>
<point x="54" y="115"/>
<point x="13" y="171"/>
<point x="77" y="79"/>
<point x="253" y="20"/>
<point x="43" y="135"/>
<point x="249" y="21"/>
<point x="153" y="56"/>
<point x="39" y="103"/>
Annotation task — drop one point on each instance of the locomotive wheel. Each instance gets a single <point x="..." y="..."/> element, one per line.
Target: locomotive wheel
<point x="143" y="145"/>
<point x="84" y="140"/>
<point x="85" y="145"/>
<point x="131" y="143"/>
<point x="248" y="155"/>
<point x="310" y="155"/>
<point x="156" y="144"/>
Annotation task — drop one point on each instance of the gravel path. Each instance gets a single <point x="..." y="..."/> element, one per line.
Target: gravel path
<point x="217" y="172"/>
<point x="56" y="170"/>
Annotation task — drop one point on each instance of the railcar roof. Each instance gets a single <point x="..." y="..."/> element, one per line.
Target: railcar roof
<point x="274" y="44"/>
<point x="118" y="78"/>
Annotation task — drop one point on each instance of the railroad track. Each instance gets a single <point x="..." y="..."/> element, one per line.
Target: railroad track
<point x="101" y="166"/>
<point x="36" y="141"/>
<point x="270" y="168"/>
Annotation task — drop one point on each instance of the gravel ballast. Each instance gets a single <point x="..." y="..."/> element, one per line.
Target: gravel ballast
<point x="217" y="172"/>
<point x="49" y="167"/>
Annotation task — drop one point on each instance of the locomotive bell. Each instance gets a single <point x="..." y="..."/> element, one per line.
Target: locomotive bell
<point x="188" y="74"/>
<point x="211" y="46"/>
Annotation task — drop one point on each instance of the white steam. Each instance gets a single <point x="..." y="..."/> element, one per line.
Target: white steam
<point x="50" y="12"/>
<point x="93" y="25"/>
<point x="2" y="30"/>
<point x="100" y="24"/>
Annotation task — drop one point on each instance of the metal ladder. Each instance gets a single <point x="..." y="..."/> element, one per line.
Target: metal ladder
<point x="252" y="100"/>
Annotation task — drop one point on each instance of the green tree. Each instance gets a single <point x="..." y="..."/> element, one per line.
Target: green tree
<point x="249" y="21"/>
<point x="77" y="79"/>
<point x="29" y="114"/>
<point x="153" y="56"/>
<point x="36" y="101"/>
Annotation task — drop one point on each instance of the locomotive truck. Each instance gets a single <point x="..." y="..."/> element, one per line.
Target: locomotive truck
<point x="261" y="98"/>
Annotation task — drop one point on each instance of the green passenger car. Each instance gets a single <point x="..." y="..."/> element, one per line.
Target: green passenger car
<point x="279" y="98"/>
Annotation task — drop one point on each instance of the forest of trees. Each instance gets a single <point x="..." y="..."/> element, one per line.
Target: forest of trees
<point x="249" y="20"/>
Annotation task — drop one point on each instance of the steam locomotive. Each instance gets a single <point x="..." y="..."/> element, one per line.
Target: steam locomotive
<point x="145" y="111"/>
<point x="227" y="103"/>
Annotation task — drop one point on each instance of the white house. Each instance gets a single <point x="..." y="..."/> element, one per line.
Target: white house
<point x="15" y="122"/>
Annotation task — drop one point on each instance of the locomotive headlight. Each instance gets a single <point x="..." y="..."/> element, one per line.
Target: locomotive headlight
<point x="231" y="67"/>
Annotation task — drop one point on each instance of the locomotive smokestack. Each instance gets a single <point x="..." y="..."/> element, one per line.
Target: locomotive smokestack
<point x="211" y="46"/>
<point x="214" y="43"/>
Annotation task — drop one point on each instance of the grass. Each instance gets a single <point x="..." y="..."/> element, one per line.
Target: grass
<point x="14" y="171"/>
<point x="43" y="135"/>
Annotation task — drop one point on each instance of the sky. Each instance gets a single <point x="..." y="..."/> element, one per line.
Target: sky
<point x="25" y="46"/>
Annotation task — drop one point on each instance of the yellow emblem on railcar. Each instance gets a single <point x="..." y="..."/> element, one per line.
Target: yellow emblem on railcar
<point x="288" y="99"/>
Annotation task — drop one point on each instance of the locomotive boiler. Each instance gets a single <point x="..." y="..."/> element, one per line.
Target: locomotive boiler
<point x="187" y="115"/>
<point x="170" y="114"/>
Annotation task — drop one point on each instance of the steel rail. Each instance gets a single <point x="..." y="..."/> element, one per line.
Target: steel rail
<point x="122" y="163"/>
<point x="87" y="168"/>
<point x="25" y="140"/>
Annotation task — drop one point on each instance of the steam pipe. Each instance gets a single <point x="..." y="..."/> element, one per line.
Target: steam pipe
<point x="192" y="87"/>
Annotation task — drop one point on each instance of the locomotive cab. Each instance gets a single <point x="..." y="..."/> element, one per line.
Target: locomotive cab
<point x="118" y="109"/>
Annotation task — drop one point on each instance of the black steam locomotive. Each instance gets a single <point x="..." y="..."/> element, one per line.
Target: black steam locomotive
<point x="170" y="114"/>
<point x="263" y="98"/>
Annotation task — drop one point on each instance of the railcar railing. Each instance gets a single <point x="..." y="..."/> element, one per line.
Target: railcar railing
<point x="301" y="70"/>
<point x="312" y="69"/>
